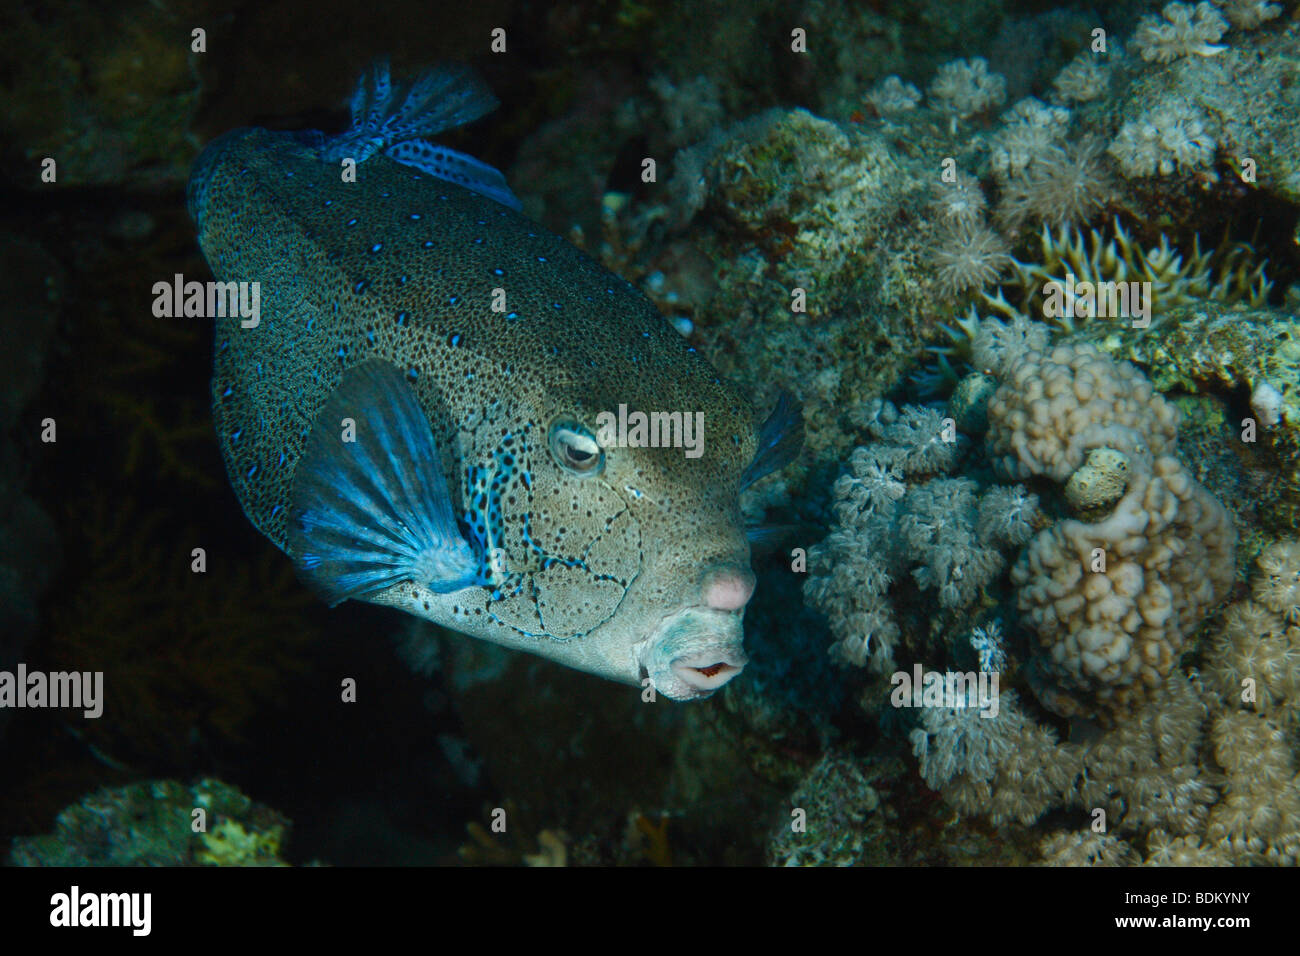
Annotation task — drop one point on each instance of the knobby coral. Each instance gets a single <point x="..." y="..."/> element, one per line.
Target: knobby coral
<point x="1112" y="599"/>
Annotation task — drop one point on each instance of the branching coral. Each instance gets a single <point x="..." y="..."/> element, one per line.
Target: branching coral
<point x="1230" y="274"/>
<point x="1111" y="261"/>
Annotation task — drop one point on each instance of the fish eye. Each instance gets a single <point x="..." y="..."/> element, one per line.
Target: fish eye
<point x="575" y="450"/>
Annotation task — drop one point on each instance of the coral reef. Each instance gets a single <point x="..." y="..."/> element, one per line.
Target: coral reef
<point x="1254" y="658"/>
<point x="1207" y="345"/>
<point x="836" y="818"/>
<point x="1185" y="31"/>
<point x="1112" y="600"/>
<point x="966" y="87"/>
<point x="155" y="823"/>
<point x="895" y="510"/>
<point x="817" y="250"/>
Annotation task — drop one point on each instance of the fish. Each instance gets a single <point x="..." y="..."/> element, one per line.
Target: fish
<point x="415" y="417"/>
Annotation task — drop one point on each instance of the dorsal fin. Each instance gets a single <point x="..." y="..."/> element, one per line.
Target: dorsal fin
<point x="394" y="119"/>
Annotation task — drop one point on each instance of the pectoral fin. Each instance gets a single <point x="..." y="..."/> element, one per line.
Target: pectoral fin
<point x="369" y="506"/>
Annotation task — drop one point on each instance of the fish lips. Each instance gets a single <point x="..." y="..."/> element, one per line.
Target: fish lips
<point x="694" y="652"/>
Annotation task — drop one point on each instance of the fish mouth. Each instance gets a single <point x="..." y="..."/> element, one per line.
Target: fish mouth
<point x="694" y="652"/>
<point x="708" y="670"/>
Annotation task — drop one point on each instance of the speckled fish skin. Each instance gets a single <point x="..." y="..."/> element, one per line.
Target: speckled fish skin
<point x="641" y="571"/>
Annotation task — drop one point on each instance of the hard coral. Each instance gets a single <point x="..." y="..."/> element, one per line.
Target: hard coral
<point x="1111" y="601"/>
<point x="1056" y="406"/>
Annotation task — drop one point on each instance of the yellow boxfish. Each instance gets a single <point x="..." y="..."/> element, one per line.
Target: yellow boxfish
<point x="420" y="415"/>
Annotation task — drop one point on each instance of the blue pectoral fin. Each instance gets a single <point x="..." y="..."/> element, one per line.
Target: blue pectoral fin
<point x="369" y="506"/>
